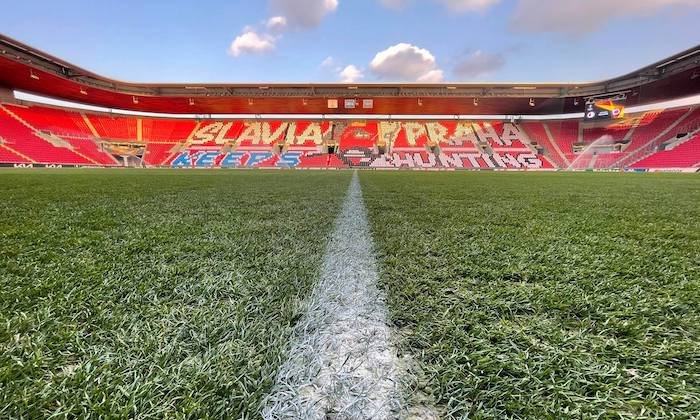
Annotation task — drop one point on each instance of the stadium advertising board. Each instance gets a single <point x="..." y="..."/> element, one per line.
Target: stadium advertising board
<point x="44" y="165"/>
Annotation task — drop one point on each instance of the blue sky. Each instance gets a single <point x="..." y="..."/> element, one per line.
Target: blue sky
<point x="357" y="40"/>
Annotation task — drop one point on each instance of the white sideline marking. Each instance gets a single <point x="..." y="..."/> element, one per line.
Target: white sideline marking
<point x="341" y="363"/>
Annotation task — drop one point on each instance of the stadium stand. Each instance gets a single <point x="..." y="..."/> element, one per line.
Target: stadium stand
<point x="50" y="135"/>
<point x="538" y="133"/>
<point x="8" y="155"/>
<point x="70" y="127"/>
<point x="411" y="136"/>
<point x="89" y="149"/>
<point x="110" y="127"/>
<point x="26" y="141"/>
<point x="654" y="128"/>
<point x="159" y="154"/>
<point x="685" y="154"/>
<point x="359" y="134"/>
<point x="565" y="134"/>
<point x="605" y="160"/>
<point x="161" y="130"/>
<point x="54" y="121"/>
<point x="253" y="135"/>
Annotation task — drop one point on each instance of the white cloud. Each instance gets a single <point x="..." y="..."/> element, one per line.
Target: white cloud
<point x="351" y="74"/>
<point x="433" y="76"/>
<point x="276" y="23"/>
<point x="462" y="6"/>
<point x="303" y="13"/>
<point x="577" y="17"/>
<point x="479" y="64"/>
<point x="328" y="62"/>
<point x="406" y="62"/>
<point x="250" y="42"/>
<point x="294" y="13"/>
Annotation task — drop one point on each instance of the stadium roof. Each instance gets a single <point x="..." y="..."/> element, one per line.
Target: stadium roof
<point x="30" y="70"/>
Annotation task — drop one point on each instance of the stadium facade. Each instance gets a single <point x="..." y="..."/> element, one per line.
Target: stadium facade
<point x="629" y="122"/>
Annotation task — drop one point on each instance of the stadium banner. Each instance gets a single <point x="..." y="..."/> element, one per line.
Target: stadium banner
<point x="358" y="158"/>
<point x="399" y="145"/>
<point x="676" y="170"/>
<point x="45" y="165"/>
<point x="604" y="110"/>
<point x="33" y="165"/>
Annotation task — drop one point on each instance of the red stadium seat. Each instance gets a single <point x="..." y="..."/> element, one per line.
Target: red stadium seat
<point x="359" y="135"/>
<point x="166" y="130"/>
<point x="158" y="154"/>
<point x="536" y="131"/>
<point x="685" y="155"/>
<point x="49" y="135"/>
<point x="26" y="141"/>
<point x="117" y="128"/>
<point x="56" y="121"/>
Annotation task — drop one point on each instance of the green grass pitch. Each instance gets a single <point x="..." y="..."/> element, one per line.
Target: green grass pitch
<point x="173" y="293"/>
<point x="157" y="294"/>
<point x="544" y="295"/>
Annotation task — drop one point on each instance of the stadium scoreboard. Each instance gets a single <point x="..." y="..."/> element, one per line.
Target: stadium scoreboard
<point x="604" y="110"/>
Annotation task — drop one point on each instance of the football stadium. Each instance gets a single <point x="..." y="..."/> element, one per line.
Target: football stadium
<point x="385" y="243"/>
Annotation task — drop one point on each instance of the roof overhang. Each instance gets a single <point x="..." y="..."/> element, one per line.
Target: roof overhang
<point x="27" y="69"/>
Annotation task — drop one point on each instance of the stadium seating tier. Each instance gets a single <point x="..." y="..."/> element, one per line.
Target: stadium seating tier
<point x="48" y="135"/>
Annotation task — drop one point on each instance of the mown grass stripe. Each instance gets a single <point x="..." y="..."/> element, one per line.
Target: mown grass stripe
<point x="154" y="293"/>
<point x="543" y="295"/>
<point x="341" y="362"/>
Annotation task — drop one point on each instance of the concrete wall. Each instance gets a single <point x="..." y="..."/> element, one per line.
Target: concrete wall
<point x="6" y="94"/>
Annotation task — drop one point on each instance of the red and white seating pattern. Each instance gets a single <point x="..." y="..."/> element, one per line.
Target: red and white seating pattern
<point x="619" y="143"/>
<point x="538" y="134"/>
<point x="47" y="135"/>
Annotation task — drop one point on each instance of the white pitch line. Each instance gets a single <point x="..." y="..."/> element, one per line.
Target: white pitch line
<point x="341" y="363"/>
